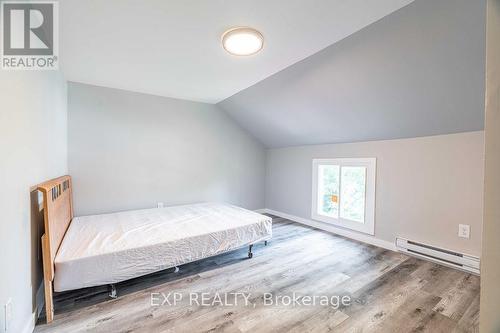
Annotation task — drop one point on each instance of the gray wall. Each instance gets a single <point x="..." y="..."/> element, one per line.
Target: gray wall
<point x="129" y="150"/>
<point x="425" y="186"/>
<point x="417" y="72"/>
<point x="490" y="268"/>
<point x="33" y="127"/>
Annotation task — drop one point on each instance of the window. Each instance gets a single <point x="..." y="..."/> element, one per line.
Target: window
<point x="344" y="192"/>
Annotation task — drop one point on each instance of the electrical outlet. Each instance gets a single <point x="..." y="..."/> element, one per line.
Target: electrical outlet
<point x="160" y="205"/>
<point x="464" y="230"/>
<point x="8" y="314"/>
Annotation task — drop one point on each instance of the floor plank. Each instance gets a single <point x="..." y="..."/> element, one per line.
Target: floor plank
<point x="388" y="292"/>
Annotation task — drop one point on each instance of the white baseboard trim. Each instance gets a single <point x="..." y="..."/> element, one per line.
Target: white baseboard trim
<point x="336" y="230"/>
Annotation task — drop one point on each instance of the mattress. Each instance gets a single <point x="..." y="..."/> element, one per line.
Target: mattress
<point x="109" y="248"/>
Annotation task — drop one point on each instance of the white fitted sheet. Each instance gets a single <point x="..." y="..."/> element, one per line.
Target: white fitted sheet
<point x="109" y="248"/>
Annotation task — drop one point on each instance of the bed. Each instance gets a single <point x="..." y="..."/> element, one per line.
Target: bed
<point x="95" y="250"/>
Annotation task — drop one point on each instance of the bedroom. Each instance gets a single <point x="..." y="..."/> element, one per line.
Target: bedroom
<point x="192" y="166"/>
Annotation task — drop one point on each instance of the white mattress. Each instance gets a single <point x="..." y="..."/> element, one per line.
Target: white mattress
<point x="110" y="248"/>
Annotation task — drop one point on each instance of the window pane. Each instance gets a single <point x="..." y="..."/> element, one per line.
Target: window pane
<point x="328" y="190"/>
<point x="352" y="196"/>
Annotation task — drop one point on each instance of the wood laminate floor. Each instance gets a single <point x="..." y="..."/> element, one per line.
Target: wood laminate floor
<point x="388" y="292"/>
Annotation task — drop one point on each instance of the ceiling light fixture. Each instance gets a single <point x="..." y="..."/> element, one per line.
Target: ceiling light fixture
<point x="242" y="41"/>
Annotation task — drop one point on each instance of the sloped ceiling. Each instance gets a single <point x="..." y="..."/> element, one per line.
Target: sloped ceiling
<point x="416" y="72"/>
<point x="172" y="48"/>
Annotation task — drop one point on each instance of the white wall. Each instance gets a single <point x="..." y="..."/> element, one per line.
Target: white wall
<point x="129" y="150"/>
<point x="490" y="267"/>
<point x="33" y="148"/>
<point x="425" y="186"/>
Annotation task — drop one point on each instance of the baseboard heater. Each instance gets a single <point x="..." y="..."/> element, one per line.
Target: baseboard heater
<point x="442" y="256"/>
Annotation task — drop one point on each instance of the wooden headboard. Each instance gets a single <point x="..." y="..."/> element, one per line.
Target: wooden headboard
<point x="58" y="213"/>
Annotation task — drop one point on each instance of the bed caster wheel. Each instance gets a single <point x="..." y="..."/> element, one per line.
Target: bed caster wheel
<point x="265" y="243"/>
<point x="112" y="292"/>
<point x="250" y="255"/>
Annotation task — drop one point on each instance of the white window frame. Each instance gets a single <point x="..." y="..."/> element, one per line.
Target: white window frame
<point x="368" y="226"/>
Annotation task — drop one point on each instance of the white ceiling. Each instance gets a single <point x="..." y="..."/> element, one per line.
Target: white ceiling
<point x="172" y="48"/>
<point x="417" y="72"/>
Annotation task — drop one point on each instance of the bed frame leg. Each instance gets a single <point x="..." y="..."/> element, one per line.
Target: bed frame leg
<point x="112" y="291"/>
<point x="250" y="254"/>
<point x="265" y="243"/>
<point x="47" y="279"/>
<point x="49" y="301"/>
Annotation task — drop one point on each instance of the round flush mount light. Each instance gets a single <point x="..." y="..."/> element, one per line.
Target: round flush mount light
<point x="242" y="41"/>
